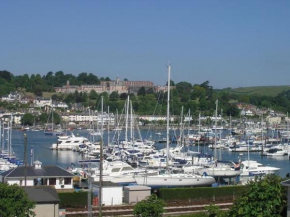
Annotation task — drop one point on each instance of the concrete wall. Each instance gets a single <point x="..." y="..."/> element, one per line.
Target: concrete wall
<point x="46" y="210"/>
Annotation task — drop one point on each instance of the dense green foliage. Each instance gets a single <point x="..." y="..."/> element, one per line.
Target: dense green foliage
<point x="265" y="198"/>
<point x="150" y="207"/>
<point x="215" y="211"/>
<point x="27" y="119"/>
<point x="14" y="201"/>
<point x="38" y="84"/>
<point x="73" y="199"/>
<point x="194" y="97"/>
<point x="227" y="192"/>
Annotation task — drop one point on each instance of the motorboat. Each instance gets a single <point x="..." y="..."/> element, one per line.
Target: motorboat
<point x="120" y="172"/>
<point x="69" y="142"/>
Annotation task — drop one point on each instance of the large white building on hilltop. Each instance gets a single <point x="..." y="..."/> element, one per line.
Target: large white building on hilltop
<point x="111" y="86"/>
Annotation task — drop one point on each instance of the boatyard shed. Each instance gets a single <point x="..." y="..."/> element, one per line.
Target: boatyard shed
<point x="287" y="184"/>
<point x="46" y="200"/>
<point x="136" y="193"/>
<point x="112" y="193"/>
<point x="38" y="175"/>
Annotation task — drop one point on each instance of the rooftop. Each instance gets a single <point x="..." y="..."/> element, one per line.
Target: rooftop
<point x="42" y="194"/>
<point x="44" y="171"/>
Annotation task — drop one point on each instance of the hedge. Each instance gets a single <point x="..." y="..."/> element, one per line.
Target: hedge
<point x="73" y="199"/>
<point x="169" y="194"/>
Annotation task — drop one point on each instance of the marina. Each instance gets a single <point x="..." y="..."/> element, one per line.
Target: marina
<point x="39" y="148"/>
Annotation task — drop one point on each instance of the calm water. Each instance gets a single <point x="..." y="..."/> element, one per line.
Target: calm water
<point x="42" y="143"/>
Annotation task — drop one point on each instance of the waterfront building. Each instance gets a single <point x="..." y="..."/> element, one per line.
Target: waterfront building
<point x="86" y="118"/>
<point x="153" y="118"/>
<point x="38" y="175"/>
<point x="16" y="117"/>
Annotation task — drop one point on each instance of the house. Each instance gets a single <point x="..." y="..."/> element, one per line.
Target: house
<point x="38" y="175"/>
<point x="12" y="97"/>
<point x="62" y="105"/>
<point x="46" y="200"/>
<point x="273" y="120"/>
<point x="42" y="102"/>
<point x="287" y="184"/>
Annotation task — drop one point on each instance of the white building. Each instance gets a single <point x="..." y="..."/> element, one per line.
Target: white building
<point x="151" y="118"/>
<point x="38" y="175"/>
<point x="12" y="97"/>
<point x="60" y="105"/>
<point x="85" y="117"/>
<point x="42" y="102"/>
<point x="16" y="117"/>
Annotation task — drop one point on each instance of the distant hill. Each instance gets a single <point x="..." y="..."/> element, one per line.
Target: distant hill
<point x="259" y="90"/>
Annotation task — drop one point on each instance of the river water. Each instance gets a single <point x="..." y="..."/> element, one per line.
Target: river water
<point x="42" y="143"/>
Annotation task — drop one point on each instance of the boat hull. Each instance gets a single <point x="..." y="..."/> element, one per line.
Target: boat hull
<point x="171" y="181"/>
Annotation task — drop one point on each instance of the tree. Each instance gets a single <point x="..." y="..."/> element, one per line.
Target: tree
<point x="93" y="94"/>
<point x="27" y="119"/>
<point x="14" y="201"/>
<point x="123" y="96"/>
<point x="37" y="90"/>
<point x="171" y="83"/>
<point x="114" y="96"/>
<point x="150" y="207"/>
<point x="264" y="198"/>
<point x="141" y="91"/>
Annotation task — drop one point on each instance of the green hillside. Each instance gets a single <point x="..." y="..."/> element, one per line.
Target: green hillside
<point x="260" y="91"/>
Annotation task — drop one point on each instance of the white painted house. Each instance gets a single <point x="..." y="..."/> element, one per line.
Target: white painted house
<point x="38" y="175"/>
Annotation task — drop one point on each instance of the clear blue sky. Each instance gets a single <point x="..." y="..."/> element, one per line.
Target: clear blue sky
<point x="230" y="43"/>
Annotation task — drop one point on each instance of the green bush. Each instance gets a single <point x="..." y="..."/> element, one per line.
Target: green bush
<point x="150" y="207"/>
<point x="228" y="192"/>
<point x="73" y="199"/>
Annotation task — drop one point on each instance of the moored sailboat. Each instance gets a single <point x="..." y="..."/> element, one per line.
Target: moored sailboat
<point x="168" y="179"/>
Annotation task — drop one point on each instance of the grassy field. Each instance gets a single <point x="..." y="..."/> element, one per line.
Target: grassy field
<point x="46" y="95"/>
<point x="261" y="91"/>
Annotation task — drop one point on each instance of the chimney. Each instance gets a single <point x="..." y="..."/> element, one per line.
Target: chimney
<point x="37" y="164"/>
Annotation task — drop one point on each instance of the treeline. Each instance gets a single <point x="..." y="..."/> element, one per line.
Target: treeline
<point x="37" y="84"/>
<point x="194" y="97"/>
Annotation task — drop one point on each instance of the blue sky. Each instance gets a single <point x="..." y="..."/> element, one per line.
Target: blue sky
<point x="230" y="43"/>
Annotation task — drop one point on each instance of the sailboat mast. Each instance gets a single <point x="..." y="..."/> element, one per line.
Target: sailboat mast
<point x="216" y="107"/>
<point x="52" y="117"/>
<point x="168" y="110"/>
<point x="0" y="136"/>
<point x="101" y="159"/>
<point x="131" y="122"/>
<point x="127" y="118"/>
<point x="198" y="132"/>
<point x="109" y="120"/>
<point x="181" y="127"/>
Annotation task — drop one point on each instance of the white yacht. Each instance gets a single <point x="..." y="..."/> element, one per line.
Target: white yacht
<point x="250" y="169"/>
<point x="120" y="172"/>
<point x="69" y="142"/>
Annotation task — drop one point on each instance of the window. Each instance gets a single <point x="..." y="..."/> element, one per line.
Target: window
<point x="61" y="181"/>
<point x="52" y="181"/>
<point x="67" y="181"/>
<point x="115" y="170"/>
